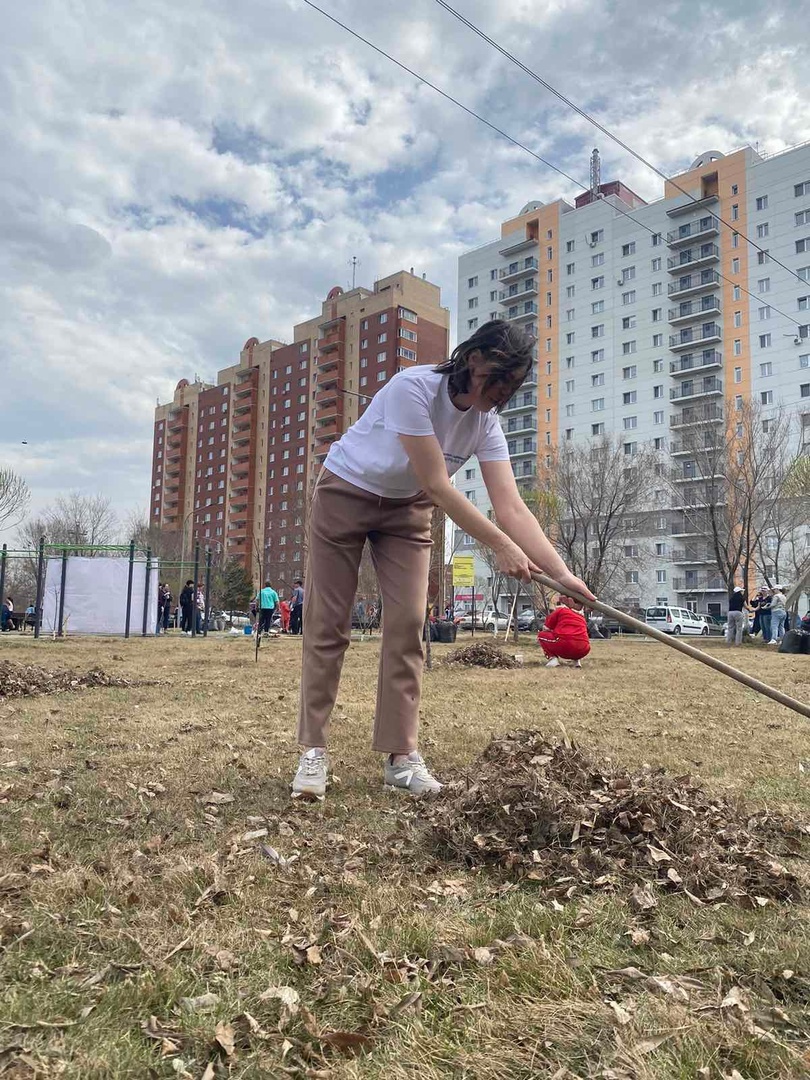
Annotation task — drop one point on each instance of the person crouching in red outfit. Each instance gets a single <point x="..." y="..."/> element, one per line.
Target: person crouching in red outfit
<point x="565" y="633"/>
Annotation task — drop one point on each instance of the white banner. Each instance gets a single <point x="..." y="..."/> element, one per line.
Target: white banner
<point x="96" y="596"/>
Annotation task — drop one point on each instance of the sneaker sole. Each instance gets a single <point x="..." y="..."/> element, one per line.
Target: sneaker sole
<point x="412" y="794"/>
<point x="307" y="796"/>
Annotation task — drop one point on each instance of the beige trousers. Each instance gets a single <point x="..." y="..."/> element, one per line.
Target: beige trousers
<point x="341" y="518"/>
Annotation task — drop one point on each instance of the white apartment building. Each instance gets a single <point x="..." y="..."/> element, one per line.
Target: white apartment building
<point x="644" y="329"/>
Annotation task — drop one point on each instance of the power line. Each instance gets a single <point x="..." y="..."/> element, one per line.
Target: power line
<point x="516" y="142"/>
<point x="600" y="127"/>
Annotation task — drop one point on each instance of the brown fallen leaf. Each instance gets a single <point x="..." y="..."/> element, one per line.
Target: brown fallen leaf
<point x="410" y="1001"/>
<point x="347" y="1042"/>
<point x="209" y="1073"/>
<point x="216" y="798"/>
<point x="642" y="899"/>
<point x="621" y="1015"/>
<point x="224" y="1038"/>
<point x="288" y="997"/>
<point x="202" y="1001"/>
<point x="483" y="956"/>
<point x="648" y="1046"/>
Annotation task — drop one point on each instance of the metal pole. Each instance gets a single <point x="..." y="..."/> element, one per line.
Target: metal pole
<point x="62" y="584"/>
<point x="3" y="556"/>
<point x="472" y="597"/>
<point x="129" y="586"/>
<point x="146" y="590"/>
<point x="196" y="576"/>
<point x="207" y="611"/>
<point x="676" y="643"/>
<point x="40" y="586"/>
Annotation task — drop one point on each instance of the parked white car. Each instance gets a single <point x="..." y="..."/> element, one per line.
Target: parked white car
<point x="674" y="620"/>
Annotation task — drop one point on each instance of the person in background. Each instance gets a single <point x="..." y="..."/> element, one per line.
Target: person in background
<point x="297" y="607"/>
<point x="284" y="607"/>
<point x="167" y="606"/>
<point x="778" y="615"/>
<point x="187" y="606"/>
<point x="160" y="601"/>
<point x="736" y="616"/>
<point x="804" y="623"/>
<point x="565" y="634"/>
<point x="8" y="620"/>
<point x="30" y="616"/>
<point x="765" y="614"/>
<point x="267" y="602"/>
<point x="448" y="612"/>
<point x="199" y="604"/>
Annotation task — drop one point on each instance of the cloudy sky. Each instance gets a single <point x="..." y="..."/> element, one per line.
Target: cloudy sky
<point x="178" y="177"/>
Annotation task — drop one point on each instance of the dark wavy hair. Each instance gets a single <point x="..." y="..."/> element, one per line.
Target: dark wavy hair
<point x="507" y="347"/>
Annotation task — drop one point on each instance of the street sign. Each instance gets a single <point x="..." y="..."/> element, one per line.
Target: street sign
<point x="463" y="571"/>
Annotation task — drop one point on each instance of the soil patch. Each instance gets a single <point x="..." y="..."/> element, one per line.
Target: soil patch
<point x="27" y="680"/>
<point x="482" y="654"/>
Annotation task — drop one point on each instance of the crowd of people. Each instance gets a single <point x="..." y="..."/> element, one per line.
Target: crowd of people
<point x="268" y="610"/>
<point x="771" y="618"/>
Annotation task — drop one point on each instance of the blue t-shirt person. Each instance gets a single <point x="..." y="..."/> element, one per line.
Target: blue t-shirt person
<point x="268" y="598"/>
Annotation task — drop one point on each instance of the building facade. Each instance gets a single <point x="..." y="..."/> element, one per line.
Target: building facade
<point x="653" y="320"/>
<point x="233" y="461"/>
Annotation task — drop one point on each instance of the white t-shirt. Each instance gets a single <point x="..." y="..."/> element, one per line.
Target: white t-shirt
<point x="416" y="401"/>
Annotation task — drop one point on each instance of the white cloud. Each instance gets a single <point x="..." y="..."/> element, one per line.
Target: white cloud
<point x="177" y="178"/>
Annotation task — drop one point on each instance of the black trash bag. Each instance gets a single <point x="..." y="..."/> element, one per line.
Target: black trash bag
<point x="795" y="641"/>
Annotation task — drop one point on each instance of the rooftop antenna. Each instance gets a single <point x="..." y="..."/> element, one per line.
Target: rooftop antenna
<point x="354" y="262"/>
<point x="596" y="171"/>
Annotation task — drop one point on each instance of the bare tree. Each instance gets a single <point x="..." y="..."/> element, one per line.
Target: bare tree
<point x="78" y="521"/>
<point x="14" y="498"/>
<point x="729" y="485"/>
<point x="593" y="496"/>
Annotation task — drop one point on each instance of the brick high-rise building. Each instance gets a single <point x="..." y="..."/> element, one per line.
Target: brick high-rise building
<point x="232" y="462"/>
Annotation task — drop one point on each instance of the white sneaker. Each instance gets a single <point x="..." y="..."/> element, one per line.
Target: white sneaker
<point x="310" y="780"/>
<point x="773" y="641"/>
<point x="577" y="663"/>
<point x="553" y="662"/>
<point x="411" y="775"/>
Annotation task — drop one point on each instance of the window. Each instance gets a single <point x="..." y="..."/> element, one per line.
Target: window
<point x="658" y="365"/>
<point x="597" y="306"/>
<point x="382" y="338"/>
<point x="569" y="314"/>
<point x="381" y="376"/>
<point x="569" y="386"/>
<point x="764" y="285"/>
<point x="406" y="313"/>
<point x="735" y="266"/>
<point x="569" y="245"/>
<point x="598" y="379"/>
<point x="570" y="338"/>
<point x="629" y="397"/>
<point x="493" y="296"/>
<point x="766" y="397"/>
<point x="598" y="331"/>
<point x="628" y="347"/>
<point x="657" y="239"/>
<point x="628" y="274"/>
<point x="630" y="372"/>
<point x="762" y="202"/>
<point x="598" y="260"/>
<point x="762" y="230"/>
<point x="569" y="361"/>
<point x="472" y="282"/>
<point x="764" y="341"/>
<point x="493" y="275"/>
<point x="738" y="404"/>
<point x="597" y="283"/>
<point x="657" y="288"/>
<point x="738" y="318"/>
<point x="406" y="354"/>
<point x="803" y="245"/>
<point x="628" y="249"/>
<point x="472" y="302"/>
<point x="570" y="291"/>
<point x="803" y="303"/>
<point x="630" y="449"/>
<point x="629" y="297"/>
<point x="737" y="374"/>
<point x="655" y="265"/>
<point x="661" y="576"/>
<point x="803" y="217"/>
<point x="804" y="389"/>
<point x="735" y="211"/>
<point x="735" y="240"/>
<point x="631" y="577"/>
<point x="597" y="429"/>
<point x="765" y="370"/>
<point x="763" y="258"/>
<point x="737" y="292"/>
<point x="630" y="422"/>
<point x="381" y="357"/>
<point x="804" y="360"/>
<point x="801" y="189"/>
<point x="598" y="236"/>
<point x="597" y="355"/>
<point x="629" y="322"/>
<point x="472" y="324"/>
<point x="733" y="189"/>
<point x="570" y="268"/>
<point x="597" y="404"/>
<point x="737" y="349"/>
<point x="658" y="416"/>
<point x="569" y="410"/>
<point x="658" y="390"/>
<point x="658" y="341"/>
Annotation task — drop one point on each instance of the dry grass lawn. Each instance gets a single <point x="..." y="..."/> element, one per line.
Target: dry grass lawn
<point x="145" y="933"/>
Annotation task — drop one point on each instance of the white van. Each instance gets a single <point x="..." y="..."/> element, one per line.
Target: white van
<point x="675" y="620"/>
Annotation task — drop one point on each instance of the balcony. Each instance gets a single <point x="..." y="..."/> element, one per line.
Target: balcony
<point x="708" y="414"/>
<point x="514" y="427"/>
<point x="333" y="338"/>
<point x="693" y="335"/>
<point x="694" y="555"/>
<point x="330" y="362"/>
<point x="693" y="446"/>
<point x="693" y="283"/>
<point x="699" y="583"/>
<point x="519" y="312"/>
<point x="333" y="412"/>
<point x="691" y="205"/>
<point x="328" y="379"/>
<point x="517" y="246"/>
<point x="238" y="536"/>
<point x="241" y="438"/>
<point x="689" y="391"/>
<point x="694" y="309"/>
<point x="693" y="257"/>
<point x="244" y="404"/>
<point x="708" y="225"/>
<point x="242" y="424"/>
<point x="523" y="451"/>
<point x="518" y="404"/>
<point x="711" y="358"/>
<point x="326" y="395"/>
<point x="517" y="292"/>
<point x="243" y="389"/>
<point x="329" y="430"/>
<point x="516" y="270"/>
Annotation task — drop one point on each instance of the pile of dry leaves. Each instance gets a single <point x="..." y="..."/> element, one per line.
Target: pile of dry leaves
<point x="548" y="811"/>
<point x="26" y="680"/>
<point x="482" y="654"/>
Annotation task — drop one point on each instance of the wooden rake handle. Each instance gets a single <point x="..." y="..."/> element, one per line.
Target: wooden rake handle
<point x="789" y="702"/>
